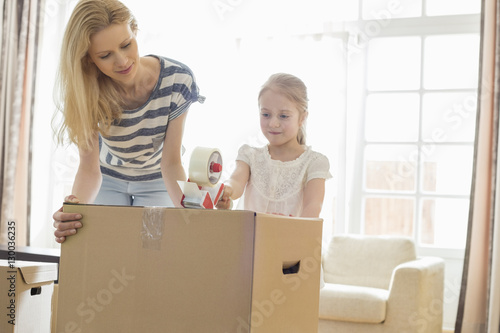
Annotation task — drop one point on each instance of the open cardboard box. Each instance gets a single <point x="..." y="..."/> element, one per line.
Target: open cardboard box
<point x="26" y="297"/>
<point x="151" y="269"/>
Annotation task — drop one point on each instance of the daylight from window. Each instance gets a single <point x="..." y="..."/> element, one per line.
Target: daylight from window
<point x="392" y="102"/>
<point x="392" y="89"/>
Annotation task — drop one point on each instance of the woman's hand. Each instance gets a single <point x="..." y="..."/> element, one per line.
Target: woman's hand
<point x="225" y="202"/>
<point x="66" y="224"/>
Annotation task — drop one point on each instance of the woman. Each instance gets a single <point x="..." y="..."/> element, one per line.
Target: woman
<point x="117" y="107"/>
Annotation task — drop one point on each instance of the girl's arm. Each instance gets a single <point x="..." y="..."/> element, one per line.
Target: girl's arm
<point x="235" y="185"/>
<point x="85" y="188"/>
<point x="171" y="163"/>
<point x="314" y="193"/>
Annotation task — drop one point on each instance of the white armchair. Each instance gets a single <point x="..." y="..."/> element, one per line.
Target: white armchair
<point x="377" y="284"/>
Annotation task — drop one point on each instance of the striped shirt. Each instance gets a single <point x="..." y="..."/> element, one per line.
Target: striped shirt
<point x="132" y="150"/>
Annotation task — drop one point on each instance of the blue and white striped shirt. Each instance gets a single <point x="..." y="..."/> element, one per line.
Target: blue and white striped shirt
<point x="132" y="150"/>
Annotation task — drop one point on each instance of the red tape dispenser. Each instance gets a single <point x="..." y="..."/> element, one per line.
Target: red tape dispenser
<point x="203" y="190"/>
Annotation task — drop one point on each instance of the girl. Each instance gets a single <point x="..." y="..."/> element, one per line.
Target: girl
<point x="117" y="107"/>
<point x="285" y="177"/>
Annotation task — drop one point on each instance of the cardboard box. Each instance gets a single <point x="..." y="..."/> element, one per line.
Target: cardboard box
<point x="26" y="296"/>
<point x="53" y="320"/>
<point x="140" y="269"/>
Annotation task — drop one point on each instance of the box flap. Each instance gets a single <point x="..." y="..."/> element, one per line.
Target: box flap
<point x="286" y="275"/>
<point x="37" y="272"/>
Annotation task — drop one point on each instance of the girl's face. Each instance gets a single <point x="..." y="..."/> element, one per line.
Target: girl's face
<point x="280" y="119"/>
<point x="114" y="51"/>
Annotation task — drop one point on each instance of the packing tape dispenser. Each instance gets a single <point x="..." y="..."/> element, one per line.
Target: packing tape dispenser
<point x="202" y="189"/>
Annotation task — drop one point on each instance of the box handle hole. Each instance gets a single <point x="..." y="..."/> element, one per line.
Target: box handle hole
<point x="291" y="267"/>
<point x="36" y="291"/>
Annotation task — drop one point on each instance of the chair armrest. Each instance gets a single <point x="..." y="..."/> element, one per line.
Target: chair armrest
<point x="416" y="295"/>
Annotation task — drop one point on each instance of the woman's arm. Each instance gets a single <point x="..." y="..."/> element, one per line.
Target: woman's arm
<point x="235" y="185"/>
<point x="171" y="162"/>
<point x="314" y="194"/>
<point x="85" y="188"/>
<point x="88" y="178"/>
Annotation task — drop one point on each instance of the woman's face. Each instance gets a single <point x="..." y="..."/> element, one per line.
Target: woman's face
<point x="114" y="51"/>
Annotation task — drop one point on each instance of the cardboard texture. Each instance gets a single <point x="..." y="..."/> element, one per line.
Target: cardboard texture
<point x="149" y="269"/>
<point x="26" y="296"/>
<point x="53" y="320"/>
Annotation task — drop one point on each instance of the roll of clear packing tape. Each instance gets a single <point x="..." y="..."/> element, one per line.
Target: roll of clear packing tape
<point x="205" y="166"/>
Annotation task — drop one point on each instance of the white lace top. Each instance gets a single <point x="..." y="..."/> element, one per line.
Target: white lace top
<point x="277" y="187"/>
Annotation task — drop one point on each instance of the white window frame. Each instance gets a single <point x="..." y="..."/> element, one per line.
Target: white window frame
<point x="421" y="27"/>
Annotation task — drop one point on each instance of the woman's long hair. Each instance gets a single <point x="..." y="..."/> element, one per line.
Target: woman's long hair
<point x="88" y="100"/>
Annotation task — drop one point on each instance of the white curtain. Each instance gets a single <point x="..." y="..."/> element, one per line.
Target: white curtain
<point x="19" y="33"/>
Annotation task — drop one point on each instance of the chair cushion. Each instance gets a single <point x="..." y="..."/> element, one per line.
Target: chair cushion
<point x="353" y="304"/>
<point x="367" y="261"/>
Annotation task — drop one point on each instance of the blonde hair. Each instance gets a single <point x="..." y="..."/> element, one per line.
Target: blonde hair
<point x="292" y="88"/>
<point x="88" y="99"/>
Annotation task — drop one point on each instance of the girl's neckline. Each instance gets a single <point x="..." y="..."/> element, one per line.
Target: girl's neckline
<point x="268" y="154"/>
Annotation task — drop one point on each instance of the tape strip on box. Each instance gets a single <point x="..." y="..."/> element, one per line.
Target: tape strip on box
<point x="153" y="226"/>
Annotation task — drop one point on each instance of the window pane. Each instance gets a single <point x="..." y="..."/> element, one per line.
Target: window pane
<point x="394" y="63"/>
<point x="390" y="167"/>
<point x="451" y="61"/>
<point x="449" y="117"/>
<point x="444" y="222"/>
<point x="447" y="169"/>
<point x="389" y="216"/>
<point x="392" y="117"/>
<point x="383" y="11"/>
<point x="452" y="7"/>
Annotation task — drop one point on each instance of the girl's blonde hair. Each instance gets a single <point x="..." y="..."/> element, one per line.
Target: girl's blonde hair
<point x="292" y="88"/>
<point x="88" y="99"/>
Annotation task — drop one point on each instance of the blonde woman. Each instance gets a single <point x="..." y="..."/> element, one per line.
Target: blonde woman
<point x="286" y="176"/>
<point x="125" y="112"/>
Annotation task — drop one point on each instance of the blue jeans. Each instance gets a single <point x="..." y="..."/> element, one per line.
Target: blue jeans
<point x="123" y="193"/>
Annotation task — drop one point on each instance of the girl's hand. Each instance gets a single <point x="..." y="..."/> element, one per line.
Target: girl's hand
<point x="66" y="224"/>
<point x="225" y="201"/>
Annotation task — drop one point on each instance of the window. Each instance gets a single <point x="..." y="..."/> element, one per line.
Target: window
<point x="419" y="120"/>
